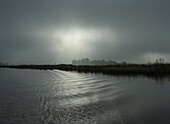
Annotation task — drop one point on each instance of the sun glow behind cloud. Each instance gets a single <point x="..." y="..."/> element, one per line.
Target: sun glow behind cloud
<point x="76" y="38"/>
<point x="75" y="42"/>
<point x="79" y="40"/>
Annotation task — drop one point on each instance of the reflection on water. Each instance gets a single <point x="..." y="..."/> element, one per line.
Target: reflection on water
<point x="29" y="96"/>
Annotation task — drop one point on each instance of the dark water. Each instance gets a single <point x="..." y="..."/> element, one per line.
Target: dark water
<point x="54" y="97"/>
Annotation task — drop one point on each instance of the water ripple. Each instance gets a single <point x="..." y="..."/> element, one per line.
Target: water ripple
<point x="54" y="96"/>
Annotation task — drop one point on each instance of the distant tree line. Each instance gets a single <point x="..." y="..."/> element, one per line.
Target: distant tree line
<point x="87" y="61"/>
<point x="160" y="61"/>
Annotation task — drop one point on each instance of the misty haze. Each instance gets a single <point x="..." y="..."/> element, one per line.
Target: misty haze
<point x="84" y="61"/>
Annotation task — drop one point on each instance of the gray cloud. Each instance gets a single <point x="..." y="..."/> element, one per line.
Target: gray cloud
<point x="37" y="31"/>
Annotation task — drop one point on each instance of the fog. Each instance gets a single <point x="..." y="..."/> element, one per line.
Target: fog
<point x="58" y="31"/>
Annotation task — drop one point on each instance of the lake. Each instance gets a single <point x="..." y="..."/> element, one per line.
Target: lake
<point x="54" y="97"/>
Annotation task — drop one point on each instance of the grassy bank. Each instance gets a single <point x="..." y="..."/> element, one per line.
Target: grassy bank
<point x="133" y="69"/>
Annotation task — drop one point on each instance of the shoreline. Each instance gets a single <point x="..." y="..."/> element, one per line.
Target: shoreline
<point x="133" y="69"/>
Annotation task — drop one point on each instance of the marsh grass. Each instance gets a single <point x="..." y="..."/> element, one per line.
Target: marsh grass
<point x="131" y="69"/>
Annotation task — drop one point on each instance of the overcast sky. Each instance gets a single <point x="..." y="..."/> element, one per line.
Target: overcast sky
<point x="58" y="31"/>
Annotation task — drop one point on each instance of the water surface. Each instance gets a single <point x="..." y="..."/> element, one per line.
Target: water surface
<point x="34" y="96"/>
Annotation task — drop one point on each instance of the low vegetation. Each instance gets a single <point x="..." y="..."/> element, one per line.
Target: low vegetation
<point x="119" y="69"/>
